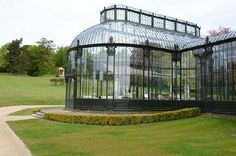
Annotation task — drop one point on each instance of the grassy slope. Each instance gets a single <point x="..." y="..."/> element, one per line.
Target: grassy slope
<point x="195" y="136"/>
<point x="18" y="90"/>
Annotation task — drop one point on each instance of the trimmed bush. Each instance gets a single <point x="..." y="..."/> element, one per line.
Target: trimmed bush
<point x="123" y="119"/>
<point x="36" y="110"/>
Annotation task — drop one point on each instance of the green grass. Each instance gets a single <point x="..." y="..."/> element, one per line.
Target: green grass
<point x="196" y="136"/>
<point x="21" y="89"/>
<point x="27" y="111"/>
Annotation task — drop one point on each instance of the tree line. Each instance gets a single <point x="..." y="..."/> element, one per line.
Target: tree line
<point x="34" y="60"/>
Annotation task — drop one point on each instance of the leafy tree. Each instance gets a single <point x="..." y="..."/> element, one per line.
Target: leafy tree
<point x="45" y="51"/>
<point x="60" y="57"/>
<point x="48" y="44"/>
<point x="39" y="58"/>
<point x="32" y="61"/>
<point x="14" y="57"/>
<point x="37" y="62"/>
<point x="3" y="53"/>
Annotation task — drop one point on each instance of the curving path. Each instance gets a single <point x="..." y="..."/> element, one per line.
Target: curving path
<point x="10" y="143"/>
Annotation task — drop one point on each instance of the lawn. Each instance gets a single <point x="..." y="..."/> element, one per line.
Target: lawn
<point x="195" y="136"/>
<point x="22" y="89"/>
<point x="23" y="112"/>
<point x="27" y="111"/>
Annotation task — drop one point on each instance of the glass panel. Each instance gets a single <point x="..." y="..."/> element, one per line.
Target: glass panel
<point x="188" y="76"/>
<point x="160" y="75"/>
<point x="72" y="60"/>
<point x="133" y="17"/>
<point x="180" y="27"/>
<point x="120" y="14"/>
<point x="122" y="73"/>
<point x="170" y="25"/>
<point x="190" y="30"/>
<point x="110" y="77"/>
<point x="159" y="23"/>
<point x="101" y="72"/>
<point x="110" y="15"/>
<point x="137" y="66"/>
<point x="146" y="20"/>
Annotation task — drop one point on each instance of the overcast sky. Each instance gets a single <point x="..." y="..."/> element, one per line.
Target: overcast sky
<point x="62" y="20"/>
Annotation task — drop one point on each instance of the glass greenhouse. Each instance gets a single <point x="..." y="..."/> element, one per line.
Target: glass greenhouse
<point x="138" y="60"/>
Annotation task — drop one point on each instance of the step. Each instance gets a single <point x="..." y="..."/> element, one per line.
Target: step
<point x="38" y="115"/>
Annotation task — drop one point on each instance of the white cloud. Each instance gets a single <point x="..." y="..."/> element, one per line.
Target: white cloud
<point x="62" y="20"/>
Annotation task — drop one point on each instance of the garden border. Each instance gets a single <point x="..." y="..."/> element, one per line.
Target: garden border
<point x="119" y="120"/>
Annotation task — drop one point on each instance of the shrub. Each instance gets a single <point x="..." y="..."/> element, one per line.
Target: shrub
<point x="35" y="110"/>
<point x="123" y="119"/>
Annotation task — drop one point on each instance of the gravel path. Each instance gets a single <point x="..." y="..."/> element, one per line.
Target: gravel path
<point x="10" y="143"/>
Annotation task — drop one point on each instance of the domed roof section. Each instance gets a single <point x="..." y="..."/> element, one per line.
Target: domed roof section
<point x="132" y="33"/>
<point x="127" y="25"/>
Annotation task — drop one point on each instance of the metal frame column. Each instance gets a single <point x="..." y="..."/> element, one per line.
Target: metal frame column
<point x="146" y="54"/>
<point x="111" y="51"/>
<point x="78" y="54"/>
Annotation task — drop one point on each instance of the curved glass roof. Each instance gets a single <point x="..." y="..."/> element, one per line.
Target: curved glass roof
<point x="127" y="28"/>
<point x="132" y="33"/>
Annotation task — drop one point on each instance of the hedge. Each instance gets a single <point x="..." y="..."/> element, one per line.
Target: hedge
<point x="36" y="110"/>
<point x="123" y="119"/>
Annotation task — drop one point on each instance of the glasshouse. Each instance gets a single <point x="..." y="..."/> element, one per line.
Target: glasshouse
<point x="138" y="60"/>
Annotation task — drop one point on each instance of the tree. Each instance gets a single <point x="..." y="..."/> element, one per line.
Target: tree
<point x="39" y="60"/>
<point x="60" y="57"/>
<point x="32" y="60"/>
<point x="219" y="31"/>
<point x="14" y="57"/>
<point x="45" y="51"/>
<point x="48" y="44"/>
<point x="3" y="53"/>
